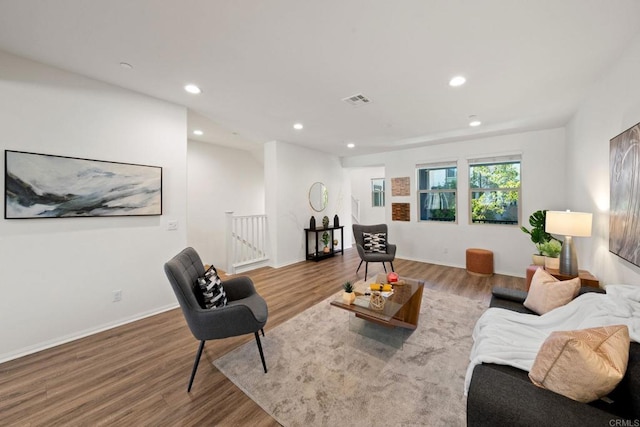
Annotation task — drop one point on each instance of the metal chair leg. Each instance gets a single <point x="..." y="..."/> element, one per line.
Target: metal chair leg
<point x="359" y="265"/>
<point x="391" y="266"/>
<point x="366" y="269"/>
<point x="385" y="267"/>
<point x="195" y="365"/>
<point x="262" y="331"/>
<point x="264" y="365"/>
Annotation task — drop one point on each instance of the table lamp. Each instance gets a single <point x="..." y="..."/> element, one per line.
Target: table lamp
<point x="569" y="224"/>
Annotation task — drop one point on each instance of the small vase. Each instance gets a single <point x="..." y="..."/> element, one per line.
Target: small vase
<point x="538" y="259"/>
<point x="552" y="263"/>
<point x="326" y="250"/>
<point x="336" y="221"/>
<point x="312" y="223"/>
<point x="348" y="297"/>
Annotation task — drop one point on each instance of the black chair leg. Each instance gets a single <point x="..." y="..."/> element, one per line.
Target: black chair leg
<point x="366" y="269"/>
<point x="359" y="265"/>
<point x="262" y="331"/>
<point x="195" y="365"/>
<point x="264" y="365"/>
<point x="392" y="266"/>
<point x="385" y="267"/>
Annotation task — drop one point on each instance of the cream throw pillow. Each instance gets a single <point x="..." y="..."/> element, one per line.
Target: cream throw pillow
<point x="582" y="365"/>
<point x="547" y="292"/>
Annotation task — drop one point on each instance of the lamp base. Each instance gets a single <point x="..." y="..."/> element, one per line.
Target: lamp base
<point x="568" y="258"/>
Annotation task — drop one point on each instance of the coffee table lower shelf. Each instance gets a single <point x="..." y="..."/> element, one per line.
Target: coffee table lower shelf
<point x="392" y="323"/>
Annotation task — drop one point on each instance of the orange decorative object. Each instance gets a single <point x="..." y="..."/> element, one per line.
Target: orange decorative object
<point x="479" y="262"/>
<point x="392" y="277"/>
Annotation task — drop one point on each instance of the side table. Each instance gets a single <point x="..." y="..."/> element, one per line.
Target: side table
<point x="586" y="278"/>
<point x="315" y="252"/>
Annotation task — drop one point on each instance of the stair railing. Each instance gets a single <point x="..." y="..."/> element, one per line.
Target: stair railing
<point x="246" y="240"/>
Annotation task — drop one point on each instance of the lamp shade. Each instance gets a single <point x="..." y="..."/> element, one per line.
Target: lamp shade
<point x="568" y="223"/>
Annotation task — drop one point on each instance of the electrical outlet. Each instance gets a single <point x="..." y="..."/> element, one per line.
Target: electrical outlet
<point x="117" y="295"/>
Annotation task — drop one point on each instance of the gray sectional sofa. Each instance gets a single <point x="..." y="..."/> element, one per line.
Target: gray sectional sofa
<point x="502" y="395"/>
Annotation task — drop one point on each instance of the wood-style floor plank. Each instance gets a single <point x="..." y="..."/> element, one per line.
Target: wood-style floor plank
<point x="137" y="374"/>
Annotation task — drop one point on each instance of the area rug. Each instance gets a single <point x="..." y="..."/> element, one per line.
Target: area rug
<point x="323" y="371"/>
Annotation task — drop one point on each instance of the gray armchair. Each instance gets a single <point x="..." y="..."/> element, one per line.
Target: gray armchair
<point x="366" y="256"/>
<point x="246" y="311"/>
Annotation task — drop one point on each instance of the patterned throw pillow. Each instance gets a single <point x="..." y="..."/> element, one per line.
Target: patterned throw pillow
<point x="212" y="290"/>
<point x="375" y="242"/>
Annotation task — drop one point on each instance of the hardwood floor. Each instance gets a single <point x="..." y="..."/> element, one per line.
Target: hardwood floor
<point x="137" y="374"/>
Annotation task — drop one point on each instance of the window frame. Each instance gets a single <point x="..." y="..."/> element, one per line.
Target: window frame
<point x="493" y="161"/>
<point x="381" y="193"/>
<point x="419" y="192"/>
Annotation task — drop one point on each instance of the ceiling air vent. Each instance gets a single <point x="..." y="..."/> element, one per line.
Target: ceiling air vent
<point x="357" y="100"/>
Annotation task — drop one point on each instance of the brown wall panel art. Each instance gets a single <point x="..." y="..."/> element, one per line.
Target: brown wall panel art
<point x="401" y="211"/>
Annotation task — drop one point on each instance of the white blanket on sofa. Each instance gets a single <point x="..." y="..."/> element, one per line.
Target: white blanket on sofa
<point x="508" y="338"/>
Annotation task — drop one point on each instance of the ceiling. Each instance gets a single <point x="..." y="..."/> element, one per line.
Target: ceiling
<point x="265" y="65"/>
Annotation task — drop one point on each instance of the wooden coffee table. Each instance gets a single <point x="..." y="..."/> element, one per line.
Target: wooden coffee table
<point x="402" y="309"/>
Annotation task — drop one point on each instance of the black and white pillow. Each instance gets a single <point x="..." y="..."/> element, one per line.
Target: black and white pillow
<point x="375" y="242"/>
<point x="212" y="290"/>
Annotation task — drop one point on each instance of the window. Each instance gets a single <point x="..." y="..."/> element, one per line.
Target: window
<point x="494" y="188"/>
<point x="377" y="192"/>
<point x="437" y="186"/>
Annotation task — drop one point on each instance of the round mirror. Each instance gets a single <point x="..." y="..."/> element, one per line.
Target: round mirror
<point x="318" y="196"/>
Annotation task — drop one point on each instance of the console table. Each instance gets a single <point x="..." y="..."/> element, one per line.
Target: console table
<point x="586" y="278"/>
<point x="316" y="254"/>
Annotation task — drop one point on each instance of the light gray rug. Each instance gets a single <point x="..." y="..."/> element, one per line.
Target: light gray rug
<point x="323" y="372"/>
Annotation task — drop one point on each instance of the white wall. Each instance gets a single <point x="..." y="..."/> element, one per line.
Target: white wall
<point x="609" y="109"/>
<point x="57" y="275"/>
<point x="219" y="179"/>
<point x="543" y="186"/>
<point x="289" y="173"/>
<point x="361" y="189"/>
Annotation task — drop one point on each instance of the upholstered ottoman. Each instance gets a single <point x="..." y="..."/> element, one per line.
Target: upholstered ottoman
<point x="480" y="262"/>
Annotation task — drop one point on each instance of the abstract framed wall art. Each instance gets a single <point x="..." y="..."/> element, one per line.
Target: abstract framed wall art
<point x="48" y="186"/>
<point x="624" y="193"/>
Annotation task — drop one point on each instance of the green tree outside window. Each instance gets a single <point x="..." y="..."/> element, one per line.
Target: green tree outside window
<point x="495" y="193"/>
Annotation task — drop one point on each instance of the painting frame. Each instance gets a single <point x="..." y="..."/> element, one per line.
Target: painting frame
<point x="401" y="186"/>
<point x="38" y="185"/>
<point x="624" y="195"/>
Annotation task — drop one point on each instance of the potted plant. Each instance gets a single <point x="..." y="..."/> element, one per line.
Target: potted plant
<point x="348" y="296"/>
<point x="551" y="251"/>
<point x="325" y="240"/>
<point x="538" y="234"/>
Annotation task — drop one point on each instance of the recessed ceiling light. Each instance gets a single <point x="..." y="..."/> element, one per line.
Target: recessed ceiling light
<point x="298" y="126"/>
<point x="457" y="81"/>
<point x="351" y="145"/>
<point x="191" y="88"/>
<point x="126" y="65"/>
<point x="473" y="121"/>
<point x="198" y="132"/>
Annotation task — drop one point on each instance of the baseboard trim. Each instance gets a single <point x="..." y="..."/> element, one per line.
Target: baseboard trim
<point x="82" y="334"/>
<point x="447" y="264"/>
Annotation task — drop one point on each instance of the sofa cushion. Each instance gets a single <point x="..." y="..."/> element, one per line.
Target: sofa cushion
<point x="547" y="292"/>
<point x="515" y="295"/>
<point x="583" y="365"/>
<point x="375" y="242"/>
<point x="213" y="294"/>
